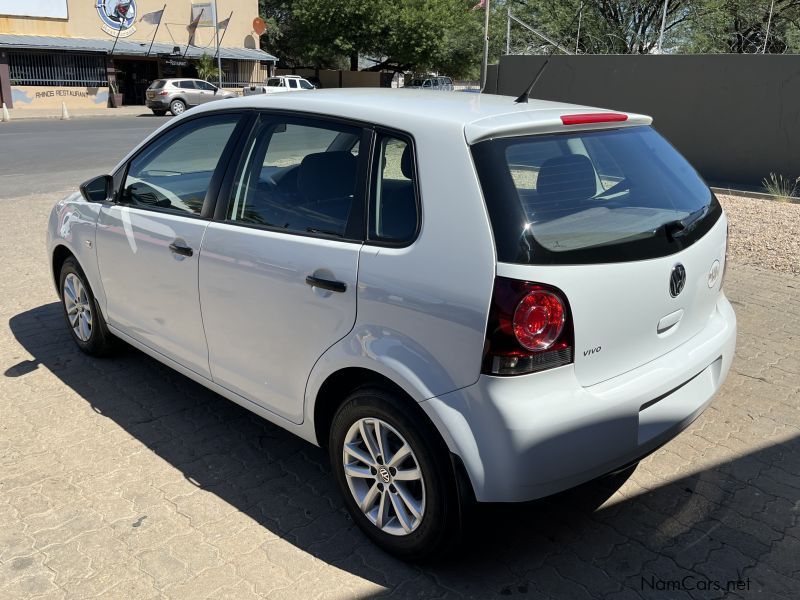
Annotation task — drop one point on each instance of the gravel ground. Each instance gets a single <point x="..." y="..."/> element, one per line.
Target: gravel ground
<point x="764" y="233"/>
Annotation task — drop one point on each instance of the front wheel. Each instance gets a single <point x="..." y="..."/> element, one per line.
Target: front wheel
<point x="395" y="475"/>
<point x="177" y="107"/>
<point x="83" y="316"/>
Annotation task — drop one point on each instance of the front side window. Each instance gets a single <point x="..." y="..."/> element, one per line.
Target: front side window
<point x="204" y="85"/>
<point x="299" y="175"/>
<point x="393" y="204"/>
<point x="174" y="172"/>
<point x="591" y="197"/>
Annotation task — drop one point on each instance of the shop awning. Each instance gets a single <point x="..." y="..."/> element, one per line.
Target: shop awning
<point x="124" y="47"/>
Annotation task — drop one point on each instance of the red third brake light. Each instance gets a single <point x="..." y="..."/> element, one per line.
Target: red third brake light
<point x="529" y="329"/>
<point x="587" y="118"/>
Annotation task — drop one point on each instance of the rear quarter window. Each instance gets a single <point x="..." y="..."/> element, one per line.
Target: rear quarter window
<point x="585" y="197"/>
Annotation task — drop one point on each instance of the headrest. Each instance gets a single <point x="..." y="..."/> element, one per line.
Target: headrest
<point x="405" y="162"/>
<point x="566" y="178"/>
<point x="327" y="175"/>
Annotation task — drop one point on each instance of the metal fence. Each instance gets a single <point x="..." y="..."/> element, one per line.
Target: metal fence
<point x="39" y="68"/>
<point x="241" y="73"/>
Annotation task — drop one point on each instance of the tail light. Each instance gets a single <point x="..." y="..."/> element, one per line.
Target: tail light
<point x="163" y="93"/>
<point x="529" y="329"/>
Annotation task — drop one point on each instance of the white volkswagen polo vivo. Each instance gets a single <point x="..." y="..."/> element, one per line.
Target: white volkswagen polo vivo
<point x="460" y="297"/>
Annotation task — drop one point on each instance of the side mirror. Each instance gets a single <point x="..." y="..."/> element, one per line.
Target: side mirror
<point x="99" y="189"/>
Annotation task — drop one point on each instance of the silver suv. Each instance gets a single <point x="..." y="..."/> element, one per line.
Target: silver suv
<point x="176" y="95"/>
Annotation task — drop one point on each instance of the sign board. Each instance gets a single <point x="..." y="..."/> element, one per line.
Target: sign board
<point x="50" y="9"/>
<point x="207" y="20"/>
<point x="117" y="16"/>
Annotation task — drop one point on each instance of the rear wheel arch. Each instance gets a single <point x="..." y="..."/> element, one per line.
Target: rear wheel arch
<point x="340" y="384"/>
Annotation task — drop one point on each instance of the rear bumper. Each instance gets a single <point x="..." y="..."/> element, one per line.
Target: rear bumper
<point x="522" y="438"/>
<point x="158" y="103"/>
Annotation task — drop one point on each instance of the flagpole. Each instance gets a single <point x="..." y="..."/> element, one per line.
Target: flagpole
<point x="194" y="31"/>
<point x="116" y="39"/>
<point x="226" y="31"/>
<point x="156" y="31"/>
<point x="219" y="58"/>
<point x="485" y="65"/>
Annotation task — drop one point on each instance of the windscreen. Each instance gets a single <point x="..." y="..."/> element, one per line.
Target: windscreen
<point x="601" y="196"/>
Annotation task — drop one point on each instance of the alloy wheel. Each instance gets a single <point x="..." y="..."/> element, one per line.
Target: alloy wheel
<point x="78" y="306"/>
<point x="384" y="476"/>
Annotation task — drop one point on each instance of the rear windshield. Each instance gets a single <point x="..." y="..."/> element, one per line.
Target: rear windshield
<point x="158" y="84"/>
<point x="602" y="196"/>
<point x="275" y="82"/>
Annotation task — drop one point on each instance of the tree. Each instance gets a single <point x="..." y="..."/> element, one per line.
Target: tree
<point x="206" y="68"/>
<point x="740" y="26"/>
<point x="440" y="35"/>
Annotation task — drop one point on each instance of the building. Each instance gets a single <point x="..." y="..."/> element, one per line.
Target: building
<point x="80" y="50"/>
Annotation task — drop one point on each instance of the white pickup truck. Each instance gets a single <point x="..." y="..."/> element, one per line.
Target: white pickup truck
<point x="280" y="83"/>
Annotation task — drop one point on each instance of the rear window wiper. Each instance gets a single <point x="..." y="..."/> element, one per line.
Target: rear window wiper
<point x="680" y="227"/>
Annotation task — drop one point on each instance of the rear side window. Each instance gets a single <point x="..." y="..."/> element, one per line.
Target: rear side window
<point x="393" y="202"/>
<point x="186" y="85"/>
<point x="300" y="176"/>
<point x="590" y="197"/>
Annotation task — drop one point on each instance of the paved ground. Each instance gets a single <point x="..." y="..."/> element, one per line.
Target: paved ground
<point x="122" y="479"/>
<point x="23" y="114"/>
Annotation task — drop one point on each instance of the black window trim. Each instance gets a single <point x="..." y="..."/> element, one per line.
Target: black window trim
<point x="354" y="229"/>
<point x="493" y="175"/>
<point x="210" y="200"/>
<point x="373" y="182"/>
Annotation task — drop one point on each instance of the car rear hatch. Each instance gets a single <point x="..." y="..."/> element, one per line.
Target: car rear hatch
<point x="617" y="221"/>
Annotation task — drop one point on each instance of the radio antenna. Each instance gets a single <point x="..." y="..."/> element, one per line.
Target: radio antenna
<point x="523" y="97"/>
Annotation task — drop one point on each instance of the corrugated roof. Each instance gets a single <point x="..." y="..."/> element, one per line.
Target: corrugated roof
<point x="124" y="47"/>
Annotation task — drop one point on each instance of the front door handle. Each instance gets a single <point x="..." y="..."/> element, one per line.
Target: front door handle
<point x="326" y="284"/>
<point x="182" y="250"/>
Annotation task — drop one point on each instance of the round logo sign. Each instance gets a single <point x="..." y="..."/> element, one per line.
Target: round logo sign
<point x="118" y="16"/>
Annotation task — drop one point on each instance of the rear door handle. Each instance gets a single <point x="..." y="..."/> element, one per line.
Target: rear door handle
<point x="326" y="284"/>
<point x="182" y="250"/>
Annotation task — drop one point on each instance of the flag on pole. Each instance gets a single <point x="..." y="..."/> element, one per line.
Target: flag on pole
<point x="192" y="27"/>
<point x="480" y="5"/>
<point x="224" y="24"/>
<point x="154" y="18"/>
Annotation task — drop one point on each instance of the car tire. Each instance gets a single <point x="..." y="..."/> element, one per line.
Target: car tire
<point x="84" y="319"/>
<point x="159" y="113"/>
<point x="422" y="517"/>
<point x="177" y="107"/>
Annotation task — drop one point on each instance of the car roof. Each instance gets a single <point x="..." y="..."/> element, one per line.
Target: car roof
<point x="478" y="115"/>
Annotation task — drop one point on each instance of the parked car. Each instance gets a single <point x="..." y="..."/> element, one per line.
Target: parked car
<point x="176" y="95"/>
<point x="444" y="84"/>
<point x="281" y="83"/>
<point x="460" y="300"/>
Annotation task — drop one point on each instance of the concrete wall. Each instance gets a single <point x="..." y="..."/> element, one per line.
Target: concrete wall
<point x="735" y="117"/>
<point x="30" y="96"/>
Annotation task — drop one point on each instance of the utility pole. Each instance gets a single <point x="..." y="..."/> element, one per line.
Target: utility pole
<point x="485" y="48"/>
<point x="769" y="22"/>
<point x="508" y="33"/>
<point x="219" y="57"/>
<point x="663" y="26"/>
<point x="578" y="37"/>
